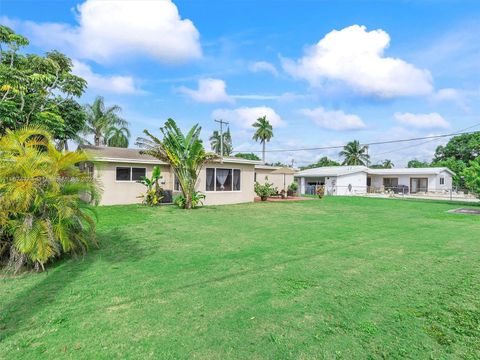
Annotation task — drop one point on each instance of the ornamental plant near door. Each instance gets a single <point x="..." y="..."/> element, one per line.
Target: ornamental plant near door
<point x="264" y="191"/>
<point x="154" y="193"/>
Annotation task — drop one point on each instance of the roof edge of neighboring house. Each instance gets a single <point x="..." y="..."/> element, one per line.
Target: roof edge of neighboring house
<point x="345" y="170"/>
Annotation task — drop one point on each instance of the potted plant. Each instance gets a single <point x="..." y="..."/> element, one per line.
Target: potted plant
<point x="320" y="191"/>
<point x="264" y="191"/>
<point x="292" y="189"/>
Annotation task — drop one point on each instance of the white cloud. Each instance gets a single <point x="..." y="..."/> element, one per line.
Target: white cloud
<point x="111" y="84"/>
<point x="455" y="96"/>
<point x="265" y="66"/>
<point x="108" y="30"/>
<point x="334" y="119"/>
<point x="245" y="116"/>
<point x="422" y="121"/>
<point x="355" y="57"/>
<point x="209" y="91"/>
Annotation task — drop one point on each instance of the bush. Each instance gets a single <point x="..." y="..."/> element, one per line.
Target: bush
<point x="264" y="191"/>
<point x="293" y="186"/>
<point x="46" y="208"/>
<point x="154" y="193"/>
<point x="320" y="191"/>
<point x="197" y="200"/>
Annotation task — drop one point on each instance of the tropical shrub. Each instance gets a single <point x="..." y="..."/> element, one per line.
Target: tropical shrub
<point x="47" y="201"/>
<point x="197" y="200"/>
<point x="293" y="186"/>
<point x="264" y="191"/>
<point x="472" y="176"/>
<point x="320" y="191"/>
<point x="154" y="193"/>
<point x="185" y="153"/>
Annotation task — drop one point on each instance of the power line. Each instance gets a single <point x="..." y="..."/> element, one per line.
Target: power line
<point x="434" y="137"/>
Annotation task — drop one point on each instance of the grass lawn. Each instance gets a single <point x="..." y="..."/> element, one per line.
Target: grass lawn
<point x="347" y="278"/>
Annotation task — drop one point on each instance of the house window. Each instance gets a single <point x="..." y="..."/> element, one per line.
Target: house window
<point x="442" y="181"/>
<point x="126" y="173"/>
<point x="218" y="179"/>
<point x="176" y="183"/>
<point x="390" y="182"/>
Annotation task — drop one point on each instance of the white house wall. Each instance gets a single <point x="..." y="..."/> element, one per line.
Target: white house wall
<point x="279" y="181"/>
<point x="358" y="182"/>
<point x="433" y="180"/>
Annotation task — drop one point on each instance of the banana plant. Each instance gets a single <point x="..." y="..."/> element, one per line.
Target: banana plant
<point x="154" y="192"/>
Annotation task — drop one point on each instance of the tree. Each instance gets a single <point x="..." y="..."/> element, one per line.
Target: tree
<point x="38" y="90"/>
<point x="456" y="165"/>
<point x="106" y="125"/>
<point x="324" y="161"/>
<point x="417" y="164"/>
<point x="465" y="147"/>
<point x="46" y="208"/>
<point x="263" y="133"/>
<point x="355" y="154"/>
<point x="215" y="142"/>
<point x="247" y="156"/>
<point x="471" y="175"/>
<point x="386" y="164"/>
<point x="185" y="153"/>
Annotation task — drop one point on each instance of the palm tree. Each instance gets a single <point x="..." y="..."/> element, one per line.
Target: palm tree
<point x="387" y="164"/>
<point x="105" y="124"/>
<point x="215" y="142"/>
<point x="185" y="153"/>
<point x="263" y="133"/>
<point x="45" y="209"/>
<point x="355" y="154"/>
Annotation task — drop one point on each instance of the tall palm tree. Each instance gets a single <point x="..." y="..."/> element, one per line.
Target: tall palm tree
<point x="185" y="153"/>
<point x="263" y="133"/>
<point x="355" y="154"/>
<point x="105" y="123"/>
<point x="387" y="164"/>
<point x="215" y="142"/>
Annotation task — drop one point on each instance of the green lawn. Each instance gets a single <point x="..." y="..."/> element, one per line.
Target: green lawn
<point x="346" y="278"/>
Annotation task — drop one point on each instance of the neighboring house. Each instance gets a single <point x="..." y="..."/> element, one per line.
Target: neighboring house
<point x="280" y="177"/>
<point x="350" y="180"/>
<point x="229" y="181"/>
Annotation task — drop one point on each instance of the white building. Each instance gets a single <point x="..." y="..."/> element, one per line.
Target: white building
<point x="351" y="180"/>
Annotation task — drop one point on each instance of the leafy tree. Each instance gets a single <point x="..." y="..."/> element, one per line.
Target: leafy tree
<point x="247" y="156"/>
<point x="323" y="162"/>
<point x="38" y="90"/>
<point x="456" y="165"/>
<point x="355" y="154"/>
<point x="386" y="164"/>
<point x="263" y="133"/>
<point x="215" y="142"/>
<point x="154" y="193"/>
<point x="471" y="175"/>
<point x="417" y="164"/>
<point x="46" y="208"/>
<point x="185" y="153"/>
<point x="465" y="147"/>
<point x="106" y="125"/>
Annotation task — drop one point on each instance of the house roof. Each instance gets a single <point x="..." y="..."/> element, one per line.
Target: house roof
<point x="284" y="170"/>
<point x="331" y="171"/>
<point x="126" y="155"/>
<point x="410" y="171"/>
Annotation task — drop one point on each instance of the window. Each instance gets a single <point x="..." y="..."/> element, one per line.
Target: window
<point x="124" y="173"/>
<point x="176" y="184"/>
<point x="138" y="173"/>
<point x="390" y="182"/>
<point x="222" y="179"/>
<point x="442" y="181"/>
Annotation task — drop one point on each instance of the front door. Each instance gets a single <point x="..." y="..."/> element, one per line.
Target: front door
<point x="418" y="185"/>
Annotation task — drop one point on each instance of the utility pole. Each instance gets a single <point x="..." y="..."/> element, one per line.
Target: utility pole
<point x="221" y="122"/>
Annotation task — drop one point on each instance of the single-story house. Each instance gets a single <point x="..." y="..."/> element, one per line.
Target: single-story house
<point x="351" y="180"/>
<point x="280" y="177"/>
<point x="226" y="181"/>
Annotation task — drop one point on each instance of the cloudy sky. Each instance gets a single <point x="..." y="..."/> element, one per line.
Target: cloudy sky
<point x="323" y="73"/>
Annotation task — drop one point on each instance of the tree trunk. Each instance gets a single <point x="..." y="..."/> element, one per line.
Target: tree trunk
<point x="263" y="151"/>
<point x="97" y="140"/>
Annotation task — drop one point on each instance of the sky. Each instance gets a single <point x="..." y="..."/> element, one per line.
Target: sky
<point x="323" y="72"/>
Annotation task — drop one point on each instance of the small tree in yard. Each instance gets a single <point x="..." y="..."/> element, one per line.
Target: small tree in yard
<point x="154" y="193"/>
<point x="185" y="153"/>
<point x="264" y="191"/>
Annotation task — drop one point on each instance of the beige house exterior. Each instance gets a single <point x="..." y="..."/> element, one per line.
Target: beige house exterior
<point x="280" y="177"/>
<point x="226" y="181"/>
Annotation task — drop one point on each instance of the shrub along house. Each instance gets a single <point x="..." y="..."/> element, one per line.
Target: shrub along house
<point x="280" y="177"/>
<point x="226" y="181"/>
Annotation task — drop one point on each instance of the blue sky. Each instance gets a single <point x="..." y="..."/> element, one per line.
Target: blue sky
<point x="323" y="72"/>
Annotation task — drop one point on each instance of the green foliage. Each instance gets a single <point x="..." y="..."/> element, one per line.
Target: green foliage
<point x="38" y="90"/>
<point x="293" y="186"/>
<point x="324" y="161"/>
<point x="417" y="164"/>
<point x="215" y="142"/>
<point x="386" y="164"/>
<point x="355" y="154"/>
<point x="471" y="176"/>
<point x="263" y="133"/>
<point x="154" y="193"/>
<point x="320" y="191"/>
<point x="457" y="166"/>
<point x="196" y="200"/>
<point x="247" y="156"/>
<point x="45" y="210"/>
<point x="264" y="190"/>
<point x="106" y="125"/>
<point x="185" y="153"/>
<point x="465" y="147"/>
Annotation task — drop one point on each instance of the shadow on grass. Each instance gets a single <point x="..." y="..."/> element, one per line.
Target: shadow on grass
<point x="18" y="314"/>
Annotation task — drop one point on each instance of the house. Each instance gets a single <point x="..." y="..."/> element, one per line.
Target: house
<point x="351" y="180"/>
<point x="226" y="181"/>
<point x="280" y="177"/>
